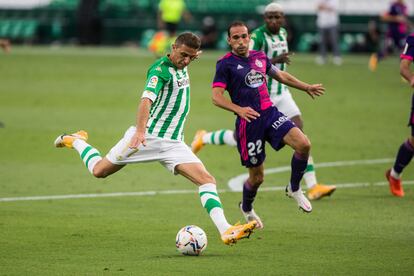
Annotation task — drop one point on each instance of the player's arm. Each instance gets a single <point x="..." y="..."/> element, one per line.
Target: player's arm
<point x="154" y="84"/>
<point x="286" y="78"/>
<point x="282" y="58"/>
<point x="407" y="57"/>
<point x="389" y="18"/>
<point x="141" y="123"/>
<point x="221" y="101"/>
<point x="406" y="72"/>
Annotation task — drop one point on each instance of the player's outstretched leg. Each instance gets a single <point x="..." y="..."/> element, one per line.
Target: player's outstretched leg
<point x="238" y="232"/>
<point x="219" y="137"/>
<point x="89" y="155"/>
<point x="211" y="202"/>
<point x="198" y="143"/>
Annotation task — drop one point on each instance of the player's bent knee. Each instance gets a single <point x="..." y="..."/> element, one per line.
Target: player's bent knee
<point x="411" y="140"/>
<point x="208" y="178"/>
<point x="258" y="180"/>
<point x="99" y="173"/>
<point x="304" y="146"/>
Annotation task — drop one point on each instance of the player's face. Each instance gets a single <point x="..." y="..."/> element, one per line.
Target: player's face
<point x="182" y="55"/>
<point x="273" y="21"/>
<point x="239" y="40"/>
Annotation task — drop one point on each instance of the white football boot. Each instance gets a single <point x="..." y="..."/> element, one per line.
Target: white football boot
<point x="303" y="203"/>
<point x="251" y="216"/>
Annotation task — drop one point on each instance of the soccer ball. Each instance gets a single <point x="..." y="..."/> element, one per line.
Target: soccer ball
<point x="191" y="240"/>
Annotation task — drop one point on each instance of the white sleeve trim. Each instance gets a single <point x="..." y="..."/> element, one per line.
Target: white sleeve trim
<point x="150" y="95"/>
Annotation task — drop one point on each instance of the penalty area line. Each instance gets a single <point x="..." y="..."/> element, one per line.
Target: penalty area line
<point x="170" y="192"/>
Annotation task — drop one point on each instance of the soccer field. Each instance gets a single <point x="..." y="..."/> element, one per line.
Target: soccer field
<point x="56" y="219"/>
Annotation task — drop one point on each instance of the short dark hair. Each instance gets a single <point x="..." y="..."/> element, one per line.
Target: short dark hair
<point x="189" y="39"/>
<point x="236" y="24"/>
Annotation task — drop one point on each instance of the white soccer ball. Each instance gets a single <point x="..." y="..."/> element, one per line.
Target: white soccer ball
<point x="191" y="240"/>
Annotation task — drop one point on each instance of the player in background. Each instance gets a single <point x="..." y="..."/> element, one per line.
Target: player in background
<point x="158" y="134"/>
<point x="242" y="73"/>
<point x="398" y="25"/>
<point x="406" y="150"/>
<point x="271" y="38"/>
<point x="170" y="13"/>
<point x="5" y="45"/>
<point x="327" y="21"/>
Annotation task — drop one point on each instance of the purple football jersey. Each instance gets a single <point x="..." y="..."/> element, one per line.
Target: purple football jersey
<point x="245" y="79"/>
<point x="398" y="9"/>
<point x="408" y="52"/>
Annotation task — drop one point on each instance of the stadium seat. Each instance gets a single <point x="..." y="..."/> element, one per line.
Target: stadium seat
<point x="305" y="42"/>
<point x="5" y="26"/>
<point x="29" y="29"/>
<point x="146" y="37"/>
<point x="222" y="41"/>
<point x="16" y="28"/>
<point x="64" y="4"/>
<point x="347" y="40"/>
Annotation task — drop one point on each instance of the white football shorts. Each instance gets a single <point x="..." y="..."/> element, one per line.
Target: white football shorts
<point x="285" y="104"/>
<point x="169" y="153"/>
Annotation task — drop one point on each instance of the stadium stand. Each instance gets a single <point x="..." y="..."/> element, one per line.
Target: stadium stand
<point x="135" y="20"/>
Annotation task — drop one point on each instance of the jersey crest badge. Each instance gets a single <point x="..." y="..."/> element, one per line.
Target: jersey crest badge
<point x="258" y="63"/>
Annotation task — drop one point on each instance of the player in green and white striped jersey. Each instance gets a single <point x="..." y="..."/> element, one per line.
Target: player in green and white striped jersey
<point x="271" y="38"/>
<point x="169" y="89"/>
<point x="158" y="135"/>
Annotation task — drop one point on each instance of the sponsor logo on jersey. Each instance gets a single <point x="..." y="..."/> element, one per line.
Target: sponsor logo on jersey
<point x="183" y="82"/>
<point x="254" y="79"/>
<point x="152" y="83"/>
<point x="280" y="121"/>
<point x="277" y="45"/>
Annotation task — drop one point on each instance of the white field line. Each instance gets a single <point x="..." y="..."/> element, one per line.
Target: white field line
<point x="235" y="184"/>
<point x="169" y="192"/>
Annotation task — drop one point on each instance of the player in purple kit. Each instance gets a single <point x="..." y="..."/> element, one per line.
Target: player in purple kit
<point x="406" y="150"/>
<point x="242" y="73"/>
<point x="398" y="24"/>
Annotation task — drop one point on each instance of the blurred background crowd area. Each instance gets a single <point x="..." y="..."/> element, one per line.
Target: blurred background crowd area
<point x="134" y="22"/>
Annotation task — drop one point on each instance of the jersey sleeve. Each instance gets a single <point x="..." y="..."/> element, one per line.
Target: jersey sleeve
<point x="268" y="65"/>
<point x="256" y="41"/>
<point x="154" y="84"/>
<point x="408" y="52"/>
<point x="284" y="33"/>
<point x="221" y="76"/>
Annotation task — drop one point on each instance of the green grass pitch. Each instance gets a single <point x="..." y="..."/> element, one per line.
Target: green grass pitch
<point x="360" y="230"/>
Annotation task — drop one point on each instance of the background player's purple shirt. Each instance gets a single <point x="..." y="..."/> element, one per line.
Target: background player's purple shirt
<point x="395" y="10"/>
<point x="408" y="52"/>
<point x="245" y="79"/>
